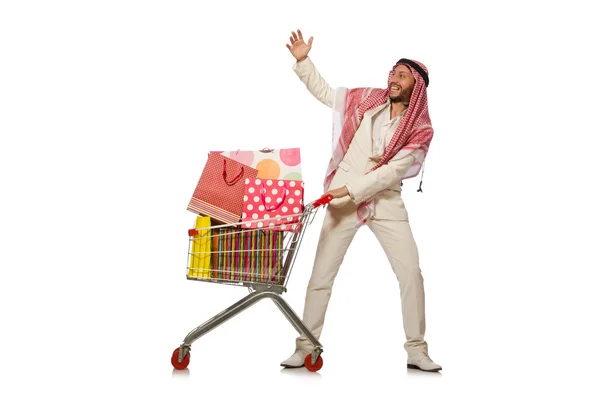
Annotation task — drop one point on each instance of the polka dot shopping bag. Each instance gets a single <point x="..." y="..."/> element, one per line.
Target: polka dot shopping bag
<point x="273" y="204"/>
<point x="270" y="163"/>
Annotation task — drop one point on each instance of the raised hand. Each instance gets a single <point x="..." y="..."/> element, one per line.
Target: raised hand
<point x="298" y="47"/>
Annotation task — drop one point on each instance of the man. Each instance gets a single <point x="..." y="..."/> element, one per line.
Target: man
<point x="380" y="137"/>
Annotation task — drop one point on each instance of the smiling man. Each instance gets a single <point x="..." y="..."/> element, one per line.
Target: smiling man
<point x="380" y="137"/>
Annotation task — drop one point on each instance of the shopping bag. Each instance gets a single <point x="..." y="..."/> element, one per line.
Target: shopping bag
<point x="219" y="193"/>
<point x="199" y="265"/>
<point x="270" y="163"/>
<point x="265" y="200"/>
<point x="247" y="255"/>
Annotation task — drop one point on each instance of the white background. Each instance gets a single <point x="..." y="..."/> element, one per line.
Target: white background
<point x="107" y="110"/>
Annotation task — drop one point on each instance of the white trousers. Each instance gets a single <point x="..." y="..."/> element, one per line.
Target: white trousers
<point x="397" y="240"/>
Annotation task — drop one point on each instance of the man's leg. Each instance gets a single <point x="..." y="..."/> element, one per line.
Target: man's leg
<point x="397" y="241"/>
<point x="337" y="232"/>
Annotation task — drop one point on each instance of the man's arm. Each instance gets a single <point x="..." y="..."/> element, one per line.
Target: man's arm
<point x="310" y="76"/>
<point x="307" y="72"/>
<point x="384" y="177"/>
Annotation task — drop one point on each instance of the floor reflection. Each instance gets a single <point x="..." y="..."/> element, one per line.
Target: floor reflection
<point x="300" y="372"/>
<point x="180" y="373"/>
<point x="417" y="373"/>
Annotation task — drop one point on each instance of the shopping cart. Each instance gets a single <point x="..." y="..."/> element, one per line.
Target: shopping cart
<point x="259" y="258"/>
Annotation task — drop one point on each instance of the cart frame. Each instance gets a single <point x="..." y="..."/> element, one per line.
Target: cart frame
<point x="258" y="292"/>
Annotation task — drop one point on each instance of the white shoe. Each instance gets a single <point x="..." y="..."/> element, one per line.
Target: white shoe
<point x="296" y="360"/>
<point x="423" y="362"/>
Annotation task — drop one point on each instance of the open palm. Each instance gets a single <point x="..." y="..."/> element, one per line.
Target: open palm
<point x="298" y="47"/>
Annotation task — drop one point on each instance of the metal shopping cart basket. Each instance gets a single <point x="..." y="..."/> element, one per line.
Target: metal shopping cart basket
<point x="259" y="258"/>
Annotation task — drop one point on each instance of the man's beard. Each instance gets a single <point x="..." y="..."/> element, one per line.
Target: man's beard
<point x="404" y="97"/>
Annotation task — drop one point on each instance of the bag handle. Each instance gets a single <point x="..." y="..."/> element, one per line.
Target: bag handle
<point x="236" y="179"/>
<point x="276" y="206"/>
<point x="266" y="150"/>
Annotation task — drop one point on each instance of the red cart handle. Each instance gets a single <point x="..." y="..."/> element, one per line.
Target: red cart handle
<point x="325" y="199"/>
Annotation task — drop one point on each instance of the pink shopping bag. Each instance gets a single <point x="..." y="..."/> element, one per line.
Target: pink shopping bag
<point x="274" y="204"/>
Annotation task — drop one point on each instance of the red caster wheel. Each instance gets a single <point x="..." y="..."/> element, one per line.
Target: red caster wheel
<point x="313" y="368"/>
<point x="175" y="358"/>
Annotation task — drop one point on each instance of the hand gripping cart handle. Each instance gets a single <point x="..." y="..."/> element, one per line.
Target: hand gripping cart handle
<point x="258" y="255"/>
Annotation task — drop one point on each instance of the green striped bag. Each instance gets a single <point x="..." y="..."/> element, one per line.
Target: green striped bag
<point x="247" y="255"/>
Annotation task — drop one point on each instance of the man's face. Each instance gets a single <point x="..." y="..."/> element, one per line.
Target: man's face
<point x="401" y="84"/>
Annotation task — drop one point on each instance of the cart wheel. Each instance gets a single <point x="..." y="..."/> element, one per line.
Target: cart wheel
<point x="313" y="368"/>
<point x="175" y="358"/>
